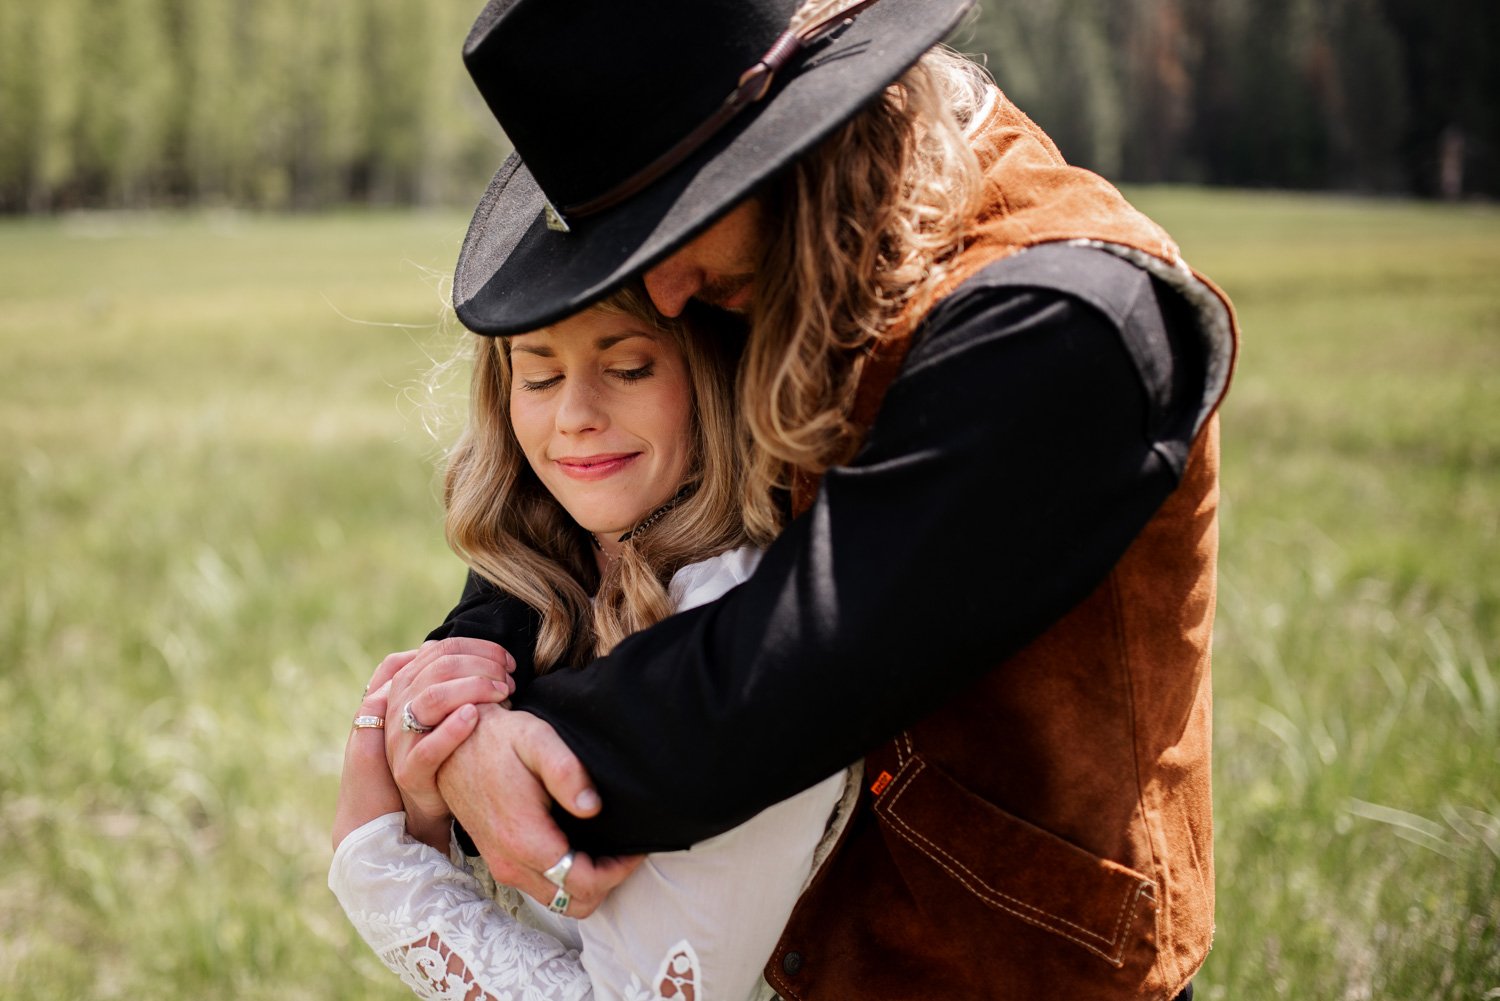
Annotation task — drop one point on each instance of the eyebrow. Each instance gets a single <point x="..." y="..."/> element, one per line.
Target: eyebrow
<point x="602" y="344"/>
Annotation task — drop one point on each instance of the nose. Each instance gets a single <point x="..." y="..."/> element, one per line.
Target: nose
<point x="671" y="284"/>
<point x="580" y="407"/>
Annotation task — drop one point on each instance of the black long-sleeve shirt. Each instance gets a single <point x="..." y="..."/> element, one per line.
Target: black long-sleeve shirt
<point x="1030" y="435"/>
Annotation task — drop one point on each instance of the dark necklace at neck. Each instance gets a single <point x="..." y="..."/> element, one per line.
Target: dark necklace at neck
<point x="650" y="519"/>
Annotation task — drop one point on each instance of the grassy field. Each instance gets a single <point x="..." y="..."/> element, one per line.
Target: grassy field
<point x="218" y="510"/>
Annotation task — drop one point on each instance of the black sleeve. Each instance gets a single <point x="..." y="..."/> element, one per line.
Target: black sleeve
<point x="1027" y="440"/>
<point x="485" y="612"/>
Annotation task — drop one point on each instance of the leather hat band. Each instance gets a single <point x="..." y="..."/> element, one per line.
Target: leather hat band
<point x="754" y="84"/>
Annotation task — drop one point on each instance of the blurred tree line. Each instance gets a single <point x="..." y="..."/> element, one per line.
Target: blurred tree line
<point x="270" y="103"/>
<point x="305" y="103"/>
<point x="1362" y="95"/>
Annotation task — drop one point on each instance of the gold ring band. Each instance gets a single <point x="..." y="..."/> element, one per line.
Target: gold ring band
<point x="369" y="722"/>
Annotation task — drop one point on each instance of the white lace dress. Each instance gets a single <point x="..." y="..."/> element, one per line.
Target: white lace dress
<point x="695" y="925"/>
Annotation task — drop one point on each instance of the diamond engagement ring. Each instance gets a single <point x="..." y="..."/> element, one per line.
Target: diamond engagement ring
<point x="369" y="722"/>
<point x="557" y="875"/>
<point x="410" y="724"/>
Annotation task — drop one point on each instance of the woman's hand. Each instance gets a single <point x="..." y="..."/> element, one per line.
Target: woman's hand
<point x="442" y="682"/>
<point x="366" y="790"/>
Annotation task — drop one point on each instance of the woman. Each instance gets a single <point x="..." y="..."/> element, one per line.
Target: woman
<point x="598" y="481"/>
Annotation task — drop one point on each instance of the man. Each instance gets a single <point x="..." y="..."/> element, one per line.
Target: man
<point x="981" y="388"/>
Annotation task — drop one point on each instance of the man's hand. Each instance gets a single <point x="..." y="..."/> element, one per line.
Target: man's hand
<point x="500" y="784"/>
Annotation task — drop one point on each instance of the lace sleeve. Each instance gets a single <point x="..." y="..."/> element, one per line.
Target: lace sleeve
<point x="431" y="924"/>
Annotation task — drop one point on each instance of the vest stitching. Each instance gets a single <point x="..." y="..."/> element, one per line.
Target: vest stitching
<point x="903" y="748"/>
<point x="1117" y="940"/>
<point x="1122" y="651"/>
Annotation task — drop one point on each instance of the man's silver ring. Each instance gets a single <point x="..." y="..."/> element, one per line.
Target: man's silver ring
<point x="558" y="874"/>
<point x="409" y="722"/>
<point x="560" y="902"/>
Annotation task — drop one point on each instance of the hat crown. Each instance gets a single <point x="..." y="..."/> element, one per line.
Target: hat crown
<point x="592" y="91"/>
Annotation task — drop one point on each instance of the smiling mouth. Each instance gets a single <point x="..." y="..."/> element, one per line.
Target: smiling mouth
<point x="595" y="467"/>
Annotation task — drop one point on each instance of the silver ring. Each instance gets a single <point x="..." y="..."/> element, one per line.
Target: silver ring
<point x="560" y="902"/>
<point x="557" y="875"/>
<point x="410" y="724"/>
<point x="369" y="722"/>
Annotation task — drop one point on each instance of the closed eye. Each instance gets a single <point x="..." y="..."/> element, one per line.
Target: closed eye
<point x="635" y="374"/>
<point x="536" y="385"/>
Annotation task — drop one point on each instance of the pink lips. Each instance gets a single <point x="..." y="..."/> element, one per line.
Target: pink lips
<point x="595" y="467"/>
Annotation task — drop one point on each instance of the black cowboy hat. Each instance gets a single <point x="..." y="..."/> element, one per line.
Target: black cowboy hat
<point x="638" y="123"/>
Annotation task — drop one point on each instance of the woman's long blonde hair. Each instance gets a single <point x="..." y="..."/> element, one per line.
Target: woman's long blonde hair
<point x="512" y="532"/>
<point x="861" y="231"/>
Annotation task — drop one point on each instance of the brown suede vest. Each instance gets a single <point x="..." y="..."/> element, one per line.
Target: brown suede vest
<point x="1049" y="832"/>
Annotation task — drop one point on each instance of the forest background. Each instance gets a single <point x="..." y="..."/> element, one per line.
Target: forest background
<point x="309" y="103"/>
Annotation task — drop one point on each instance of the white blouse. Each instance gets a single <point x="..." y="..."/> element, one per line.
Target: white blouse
<point x="693" y="925"/>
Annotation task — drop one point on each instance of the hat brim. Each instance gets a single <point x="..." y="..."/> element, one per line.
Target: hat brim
<point x="514" y="274"/>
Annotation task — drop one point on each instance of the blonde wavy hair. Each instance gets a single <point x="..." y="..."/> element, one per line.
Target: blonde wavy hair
<point x="513" y="533"/>
<point x="861" y="231"/>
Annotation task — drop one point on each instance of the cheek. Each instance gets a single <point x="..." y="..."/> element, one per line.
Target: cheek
<point x="676" y="426"/>
<point x="529" y="424"/>
<point x="733" y="243"/>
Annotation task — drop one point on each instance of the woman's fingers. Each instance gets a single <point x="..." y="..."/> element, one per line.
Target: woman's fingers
<point x="388" y="668"/>
<point x="457" y="665"/>
<point x="442" y="681"/>
<point x="444" y="707"/>
<point x="415" y="770"/>
<point x="432" y="705"/>
<point x="376" y="700"/>
<point x="420" y="764"/>
<point x="445" y="661"/>
<point x="454" y="657"/>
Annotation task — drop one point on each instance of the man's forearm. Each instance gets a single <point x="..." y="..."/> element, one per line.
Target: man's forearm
<point x="467" y="779"/>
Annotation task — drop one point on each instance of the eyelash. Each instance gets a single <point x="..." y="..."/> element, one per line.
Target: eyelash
<point x="636" y="374"/>
<point x="624" y="374"/>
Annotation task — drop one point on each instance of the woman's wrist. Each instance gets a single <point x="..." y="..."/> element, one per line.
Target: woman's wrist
<point x="366" y="790"/>
<point x="433" y="831"/>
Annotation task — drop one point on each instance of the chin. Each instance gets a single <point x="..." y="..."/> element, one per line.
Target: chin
<point x="593" y="525"/>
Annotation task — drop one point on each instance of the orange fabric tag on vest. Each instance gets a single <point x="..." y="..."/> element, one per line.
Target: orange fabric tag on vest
<point x="881" y="782"/>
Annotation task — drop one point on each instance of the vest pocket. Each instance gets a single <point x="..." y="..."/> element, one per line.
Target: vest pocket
<point x="1015" y="867"/>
